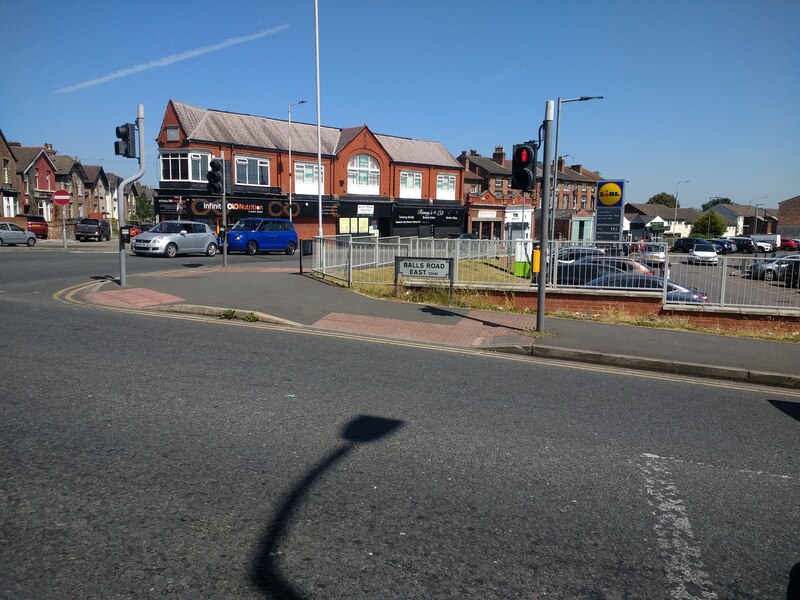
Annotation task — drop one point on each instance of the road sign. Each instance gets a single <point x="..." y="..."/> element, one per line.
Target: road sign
<point x="61" y="197"/>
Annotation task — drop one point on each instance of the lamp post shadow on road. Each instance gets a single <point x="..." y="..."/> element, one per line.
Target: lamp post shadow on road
<point x="264" y="570"/>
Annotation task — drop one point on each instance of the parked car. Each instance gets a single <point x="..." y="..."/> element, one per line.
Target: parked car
<point x="624" y="264"/>
<point x="685" y="244"/>
<point x="791" y="277"/>
<point x="744" y="244"/>
<point x="763" y="246"/>
<point x="463" y="236"/>
<point x="171" y="238"/>
<point x="579" y="272"/>
<point x="12" y="234"/>
<point x="569" y="255"/>
<point x="727" y="246"/>
<point x="255" y="235"/>
<point x="654" y="254"/>
<point x="703" y="254"/>
<point x="676" y="292"/>
<point x="771" y="269"/>
<point x="37" y="225"/>
<point x="92" y="229"/>
<point x="788" y="244"/>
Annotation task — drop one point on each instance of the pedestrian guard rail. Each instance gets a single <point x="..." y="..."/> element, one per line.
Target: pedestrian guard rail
<point x="734" y="280"/>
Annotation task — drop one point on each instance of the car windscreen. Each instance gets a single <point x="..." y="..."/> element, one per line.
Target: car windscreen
<point x="704" y="248"/>
<point x="168" y="227"/>
<point x="246" y="225"/>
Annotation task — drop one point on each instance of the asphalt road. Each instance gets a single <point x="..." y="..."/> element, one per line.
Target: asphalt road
<point x="152" y="456"/>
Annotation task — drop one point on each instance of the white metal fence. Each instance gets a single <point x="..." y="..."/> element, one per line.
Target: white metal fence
<point x="731" y="280"/>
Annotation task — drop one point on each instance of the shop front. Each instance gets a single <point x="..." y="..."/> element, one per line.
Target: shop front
<point x="364" y="217"/>
<point x="437" y="220"/>
<point x="304" y="213"/>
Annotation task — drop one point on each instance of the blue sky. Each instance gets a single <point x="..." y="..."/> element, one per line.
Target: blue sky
<point x="706" y="91"/>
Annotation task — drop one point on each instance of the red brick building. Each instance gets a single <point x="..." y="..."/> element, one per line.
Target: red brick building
<point x="371" y="183"/>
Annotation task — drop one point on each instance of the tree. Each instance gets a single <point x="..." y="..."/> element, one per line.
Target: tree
<point x="714" y="202"/>
<point x="144" y="207"/>
<point x="663" y="198"/>
<point x="709" y="225"/>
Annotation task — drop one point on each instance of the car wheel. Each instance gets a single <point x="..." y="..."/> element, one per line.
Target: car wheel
<point x="290" y="248"/>
<point x="171" y="251"/>
<point x="252" y="247"/>
<point x="1" y="241"/>
<point x="769" y="275"/>
<point x="211" y="250"/>
<point x="31" y="241"/>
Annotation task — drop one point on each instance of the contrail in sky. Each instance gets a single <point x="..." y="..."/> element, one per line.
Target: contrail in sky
<point x="163" y="62"/>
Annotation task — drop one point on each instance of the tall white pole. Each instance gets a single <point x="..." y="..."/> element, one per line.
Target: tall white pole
<point x="319" y="134"/>
<point x="555" y="173"/>
<point x="291" y="175"/>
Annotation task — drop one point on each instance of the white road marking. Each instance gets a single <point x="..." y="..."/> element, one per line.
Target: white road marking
<point x="685" y="571"/>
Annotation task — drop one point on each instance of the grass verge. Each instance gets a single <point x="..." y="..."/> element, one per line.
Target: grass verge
<point x="475" y="299"/>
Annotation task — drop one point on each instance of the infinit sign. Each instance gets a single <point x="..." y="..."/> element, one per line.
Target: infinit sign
<point x="424" y="267"/>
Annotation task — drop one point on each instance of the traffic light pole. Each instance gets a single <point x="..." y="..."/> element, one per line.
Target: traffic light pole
<point x="543" y="227"/>
<point x="224" y="214"/>
<point x="121" y="195"/>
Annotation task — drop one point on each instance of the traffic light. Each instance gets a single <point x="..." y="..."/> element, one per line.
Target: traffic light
<point x="126" y="146"/>
<point x="523" y="167"/>
<point x="214" y="177"/>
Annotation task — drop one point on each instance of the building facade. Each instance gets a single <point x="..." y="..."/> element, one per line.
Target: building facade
<point x="370" y="184"/>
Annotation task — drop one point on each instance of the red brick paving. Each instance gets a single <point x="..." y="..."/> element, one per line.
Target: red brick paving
<point x="475" y="328"/>
<point x="133" y="298"/>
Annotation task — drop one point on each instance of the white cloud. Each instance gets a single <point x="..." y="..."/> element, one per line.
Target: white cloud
<point x="169" y="60"/>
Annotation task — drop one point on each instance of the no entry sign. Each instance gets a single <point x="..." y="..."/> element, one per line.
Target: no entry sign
<point x="61" y="197"/>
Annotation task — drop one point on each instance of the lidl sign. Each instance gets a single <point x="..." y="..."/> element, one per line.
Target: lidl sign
<point x="609" y="193"/>
<point x="608" y="216"/>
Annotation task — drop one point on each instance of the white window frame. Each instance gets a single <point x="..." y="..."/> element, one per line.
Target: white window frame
<point x="5" y="171"/>
<point x="260" y="163"/>
<point x="415" y="189"/>
<point x="363" y="178"/>
<point x="305" y="177"/>
<point x="202" y="159"/>
<point x="10" y="206"/>
<point x="445" y="186"/>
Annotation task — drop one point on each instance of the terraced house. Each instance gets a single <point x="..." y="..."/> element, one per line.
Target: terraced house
<point x="371" y="183"/>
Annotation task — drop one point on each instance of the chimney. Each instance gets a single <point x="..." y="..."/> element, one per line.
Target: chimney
<point x="48" y="147"/>
<point x="560" y="163"/>
<point x="15" y="144"/>
<point x="473" y="152"/>
<point x="499" y="155"/>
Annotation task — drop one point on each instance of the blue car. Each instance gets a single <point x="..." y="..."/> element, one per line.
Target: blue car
<point x="256" y="235"/>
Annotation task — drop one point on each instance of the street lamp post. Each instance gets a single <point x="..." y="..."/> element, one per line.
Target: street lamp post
<point x="555" y="154"/>
<point x="675" y="217"/>
<point x="291" y="166"/>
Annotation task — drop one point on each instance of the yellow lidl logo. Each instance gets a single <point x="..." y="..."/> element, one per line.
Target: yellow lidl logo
<point x="610" y="193"/>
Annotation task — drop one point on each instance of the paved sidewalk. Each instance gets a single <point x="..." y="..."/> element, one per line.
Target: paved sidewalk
<point x="283" y="295"/>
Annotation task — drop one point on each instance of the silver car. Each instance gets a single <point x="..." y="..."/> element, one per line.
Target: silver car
<point x="171" y="238"/>
<point x="12" y="234"/>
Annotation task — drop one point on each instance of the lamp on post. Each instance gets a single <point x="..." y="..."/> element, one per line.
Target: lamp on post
<point x="677" y="190"/>
<point x="291" y="166"/>
<point x="555" y="153"/>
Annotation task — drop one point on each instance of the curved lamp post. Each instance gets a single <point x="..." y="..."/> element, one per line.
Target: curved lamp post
<point x="555" y="153"/>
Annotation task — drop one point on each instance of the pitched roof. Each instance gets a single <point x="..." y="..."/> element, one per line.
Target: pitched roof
<point x="27" y="155"/>
<point x="488" y="165"/>
<point x="262" y="132"/>
<point x="63" y="163"/>
<point x="667" y="213"/>
<point x="93" y="172"/>
<point x="567" y="174"/>
<point x="748" y="210"/>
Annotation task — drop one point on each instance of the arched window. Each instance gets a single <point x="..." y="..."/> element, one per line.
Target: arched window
<point x="363" y="175"/>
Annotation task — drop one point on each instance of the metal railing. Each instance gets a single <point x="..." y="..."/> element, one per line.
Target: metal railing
<point x="678" y="279"/>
